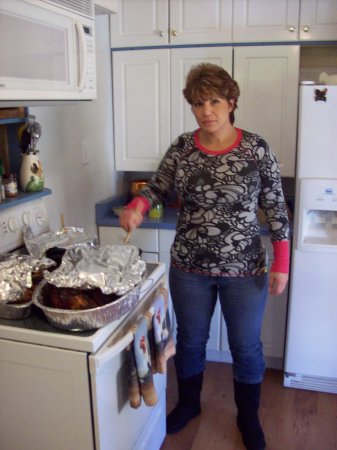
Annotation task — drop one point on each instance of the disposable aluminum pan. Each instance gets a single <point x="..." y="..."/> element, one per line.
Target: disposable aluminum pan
<point x="15" y="311"/>
<point x="86" y="319"/>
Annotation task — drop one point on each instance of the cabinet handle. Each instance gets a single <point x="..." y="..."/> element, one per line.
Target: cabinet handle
<point x="174" y="33"/>
<point x="291" y="28"/>
<point x="306" y="28"/>
<point x="161" y="33"/>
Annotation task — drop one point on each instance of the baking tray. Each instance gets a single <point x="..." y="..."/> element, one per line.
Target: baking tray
<point x="86" y="319"/>
<point x="16" y="311"/>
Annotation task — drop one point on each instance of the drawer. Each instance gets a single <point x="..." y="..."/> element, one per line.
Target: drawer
<point x="145" y="239"/>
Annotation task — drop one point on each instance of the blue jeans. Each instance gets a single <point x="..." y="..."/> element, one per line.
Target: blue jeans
<point x="242" y="302"/>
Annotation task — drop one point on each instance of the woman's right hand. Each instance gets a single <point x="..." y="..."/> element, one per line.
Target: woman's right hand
<point x="130" y="219"/>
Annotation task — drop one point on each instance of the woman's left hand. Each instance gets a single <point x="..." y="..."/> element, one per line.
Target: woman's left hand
<point x="277" y="282"/>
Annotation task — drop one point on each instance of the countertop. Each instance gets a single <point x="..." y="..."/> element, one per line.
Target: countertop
<point x="106" y="218"/>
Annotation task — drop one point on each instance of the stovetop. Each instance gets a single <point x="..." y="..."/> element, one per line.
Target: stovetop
<point x="36" y="329"/>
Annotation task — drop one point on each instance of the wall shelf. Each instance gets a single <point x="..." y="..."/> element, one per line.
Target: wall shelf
<point x="23" y="197"/>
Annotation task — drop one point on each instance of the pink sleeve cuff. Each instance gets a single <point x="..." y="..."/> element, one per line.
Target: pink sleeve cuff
<point x="140" y="203"/>
<point x="281" y="257"/>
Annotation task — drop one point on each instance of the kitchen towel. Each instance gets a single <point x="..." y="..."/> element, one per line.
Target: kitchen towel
<point x="163" y="339"/>
<point x="142" y="354"/>
<point x="135" y="398"/>
<point x="148" y="353"/>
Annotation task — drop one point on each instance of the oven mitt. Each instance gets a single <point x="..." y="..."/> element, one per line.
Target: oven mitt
<point x="164" y="344"/>
<point x="143" y="362"/>
<point x="133" y="383"/>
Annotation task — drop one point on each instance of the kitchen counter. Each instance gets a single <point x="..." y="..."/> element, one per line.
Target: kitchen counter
<point x="106" y="218"/>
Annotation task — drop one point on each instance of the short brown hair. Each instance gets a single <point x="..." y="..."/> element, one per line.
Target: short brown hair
<point x="206" y="80"/>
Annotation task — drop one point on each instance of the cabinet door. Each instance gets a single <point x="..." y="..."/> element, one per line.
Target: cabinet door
<point x="318" y="20"/>
<point x="265" y="20"/>
<point x="161" y="22"/>
<point x="274" y="322"/>
<point x="140" y="23"/>
<point x="268" y="80"/>
<point x="144" y="238"/>
<point x="141" y="91"/>
<point x="182" y="59"/>
<point x="200" y="21"/>
<point x="166" y="238"/>
<point x="106" y="6"/>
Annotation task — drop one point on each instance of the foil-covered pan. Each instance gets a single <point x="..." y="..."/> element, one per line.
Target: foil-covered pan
<point x="111" y="268"/>
<point x="87" y="319"/>
<point x="68" y="237"/>
<point x="16" y="311"/>
<point x="19" y="274"/>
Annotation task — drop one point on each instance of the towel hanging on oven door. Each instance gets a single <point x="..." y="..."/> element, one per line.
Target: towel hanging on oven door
<point x="151" y="347"/>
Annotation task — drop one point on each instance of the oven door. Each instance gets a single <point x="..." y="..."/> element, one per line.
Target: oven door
<point x="117" y="425"/>
<point x="44" y="397"/>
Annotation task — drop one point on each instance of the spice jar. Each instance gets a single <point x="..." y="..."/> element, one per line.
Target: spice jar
<point x="10" y="185"/>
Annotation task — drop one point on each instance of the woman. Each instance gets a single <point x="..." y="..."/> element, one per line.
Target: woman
<point x="221" y="175"/>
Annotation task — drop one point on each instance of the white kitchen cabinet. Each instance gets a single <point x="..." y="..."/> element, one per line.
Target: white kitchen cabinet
<point x="284" y="20"/>
<point x="182" y="60"/>
<point x="106" y="6"/>
<point x="147" y="240"/>
<point x="162" y="22"/>
<point x="141" y="100"/>
<point x="318" y="20"/>
<point x="268" y="79"/>
<point x="149" y="108"/>
<point x="274" y="324"/>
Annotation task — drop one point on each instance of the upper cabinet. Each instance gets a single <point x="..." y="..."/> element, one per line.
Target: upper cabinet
<point x="106" y="6"/>
<point x="318" y="20"/>
<point x="149" y="108"/>
<point x="141" y="93"/>
<point x="268" y="80"/>
<point x="284" y="20"/>
<point x="170" y="22"/>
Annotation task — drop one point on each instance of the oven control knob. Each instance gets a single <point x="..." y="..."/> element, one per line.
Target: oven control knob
<point x="12" y="224"/>
<point x="26" y="218"/>
<point x="40" y="220"/>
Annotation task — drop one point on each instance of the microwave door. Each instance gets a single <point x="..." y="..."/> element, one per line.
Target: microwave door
<point x="37" y="52"/>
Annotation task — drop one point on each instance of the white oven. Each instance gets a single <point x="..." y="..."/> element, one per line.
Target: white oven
<point x="66" y="390"/>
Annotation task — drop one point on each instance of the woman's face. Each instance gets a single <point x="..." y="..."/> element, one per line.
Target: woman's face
<point x="212" y="114"/>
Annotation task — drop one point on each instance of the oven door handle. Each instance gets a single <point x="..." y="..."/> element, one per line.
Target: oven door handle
<point x="109" y="352"/>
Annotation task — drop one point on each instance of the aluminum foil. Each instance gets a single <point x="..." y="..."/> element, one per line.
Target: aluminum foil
<point x="66" y="238"/>
<point x="16" y="274"/>
<point x="88" y="319"/>
<point x="115" y="269"/>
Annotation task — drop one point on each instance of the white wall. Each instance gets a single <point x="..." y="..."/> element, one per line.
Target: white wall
<point x="76" y="187"/>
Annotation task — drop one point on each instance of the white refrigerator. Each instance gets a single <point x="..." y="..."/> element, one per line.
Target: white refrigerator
<point x="311" y="339"/>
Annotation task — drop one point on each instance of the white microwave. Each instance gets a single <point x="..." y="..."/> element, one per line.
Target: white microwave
<point x="47" y="50"/>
